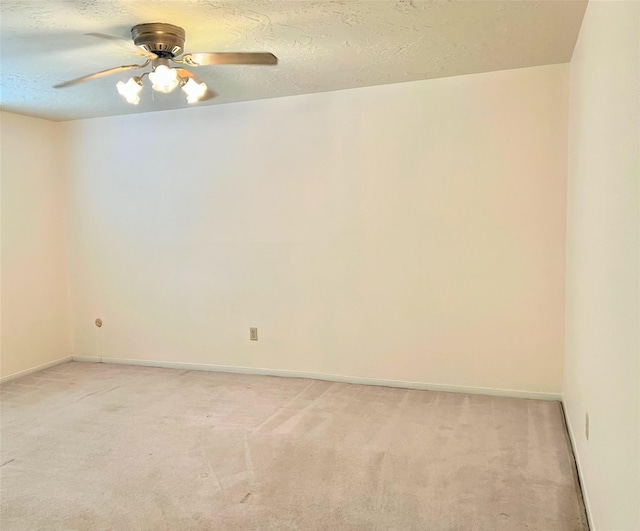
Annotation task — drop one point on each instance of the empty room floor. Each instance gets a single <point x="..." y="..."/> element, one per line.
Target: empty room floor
<point x="101" y="446"/>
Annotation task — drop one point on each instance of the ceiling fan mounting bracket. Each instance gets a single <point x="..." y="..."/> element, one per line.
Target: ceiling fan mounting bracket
<point x="165" y="40"/>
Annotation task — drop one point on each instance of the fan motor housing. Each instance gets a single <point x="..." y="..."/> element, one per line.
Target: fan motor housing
<point x="165" y="40"/>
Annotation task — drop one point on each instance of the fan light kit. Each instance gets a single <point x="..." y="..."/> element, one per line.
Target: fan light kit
<point x="162" y="44"/>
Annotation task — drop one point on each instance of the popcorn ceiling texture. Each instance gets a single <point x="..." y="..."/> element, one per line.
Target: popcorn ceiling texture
<point x="322" y="46"/>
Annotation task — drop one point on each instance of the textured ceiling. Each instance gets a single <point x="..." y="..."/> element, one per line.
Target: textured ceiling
<point x="322" y="46"/>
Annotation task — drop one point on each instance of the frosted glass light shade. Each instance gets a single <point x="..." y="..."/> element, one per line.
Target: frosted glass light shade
<point x="194" y="91"/>
<point x="130" y="90"/>
<point x="164" y="79"/>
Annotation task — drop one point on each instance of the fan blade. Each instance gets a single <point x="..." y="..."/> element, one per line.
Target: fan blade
<point x="108" y="36"/>
<point x="124" y="43"/>
<point x="209" y="95"/>
<point x="97" y="75"/>
<point x="229" y="58"/>
<point x="187" y="74"/>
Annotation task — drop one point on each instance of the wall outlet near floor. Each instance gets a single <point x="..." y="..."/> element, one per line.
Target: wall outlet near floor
<point x="253" y="334"/>
<point x="586" y="425"/>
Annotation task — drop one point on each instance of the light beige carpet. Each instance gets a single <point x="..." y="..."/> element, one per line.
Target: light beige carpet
<point x="97" y="446"/>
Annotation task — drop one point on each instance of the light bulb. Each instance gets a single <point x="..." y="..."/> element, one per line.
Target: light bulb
<point x="194" y="91"/>
<point x="164" y="79"/>
<point x="130" y="90"/>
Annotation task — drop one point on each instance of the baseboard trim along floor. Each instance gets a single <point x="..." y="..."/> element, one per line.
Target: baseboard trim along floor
<point x="328" y="377"/>
<point x="42" y="367"/>
<point x="576" y="456"/>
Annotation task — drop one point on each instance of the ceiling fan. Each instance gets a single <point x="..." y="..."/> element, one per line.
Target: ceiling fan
<point x="162" y="44"/>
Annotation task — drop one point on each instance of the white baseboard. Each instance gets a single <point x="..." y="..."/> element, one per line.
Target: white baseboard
<point x="585" y="495"/>
<point x="329" y="377"/>
<point x="42" y="367"/>
<point x="90" y="359"/>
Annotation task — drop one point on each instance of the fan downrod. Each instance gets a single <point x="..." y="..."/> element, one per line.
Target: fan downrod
<point x="165" y="40"/>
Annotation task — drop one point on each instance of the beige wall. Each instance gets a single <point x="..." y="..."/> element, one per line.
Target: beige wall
<point x="35" y="316"/>
<point x="412" y="232"/>
<point x="602" y="368"/>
